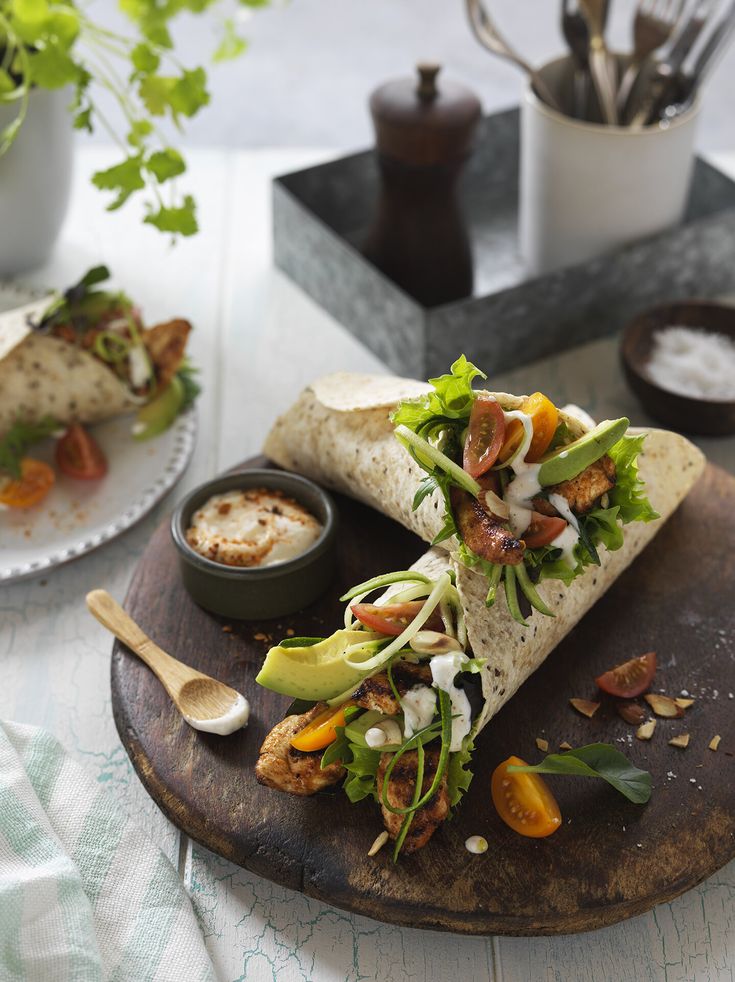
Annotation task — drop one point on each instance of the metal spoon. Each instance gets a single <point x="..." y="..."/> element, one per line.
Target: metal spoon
<point x="488" y="35"/>
<point x="205" y="703"/>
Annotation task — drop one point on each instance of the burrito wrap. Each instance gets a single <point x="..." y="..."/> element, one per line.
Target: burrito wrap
<point x="41" y="375"/>
<point x="354" y="451"/>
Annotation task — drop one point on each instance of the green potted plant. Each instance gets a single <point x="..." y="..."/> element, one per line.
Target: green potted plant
<point x="54" y="61"/>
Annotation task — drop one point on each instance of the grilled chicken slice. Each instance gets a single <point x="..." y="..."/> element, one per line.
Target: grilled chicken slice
<point x="284" y="768"/>
<point x="400" y="794"/>
<point x="583" y="491"/>
<point x="375" y="692"/>
<point x="166" y="344"/>
<point x="485" y="537"/>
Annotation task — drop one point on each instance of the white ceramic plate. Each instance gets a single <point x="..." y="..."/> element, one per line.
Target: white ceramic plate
<point x="78" y="516"/>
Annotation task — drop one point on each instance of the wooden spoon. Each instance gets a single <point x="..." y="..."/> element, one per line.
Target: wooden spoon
<point x="205" y="703"/>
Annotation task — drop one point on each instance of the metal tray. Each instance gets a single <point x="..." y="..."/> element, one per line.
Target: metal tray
<point x="321" y="214"/>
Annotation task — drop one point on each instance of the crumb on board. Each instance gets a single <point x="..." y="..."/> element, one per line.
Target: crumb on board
<point x="227" y="628"/>
<point x="290" y="632"/>
<point x="715" y="742"/>
<point x="565" y="746"/>
<point x="542" y="744"/>
<point x="585" y="707"/>
<point x="681" y="741"/>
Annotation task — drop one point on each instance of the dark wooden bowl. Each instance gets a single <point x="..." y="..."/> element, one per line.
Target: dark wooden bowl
<point x="689" y="415"/>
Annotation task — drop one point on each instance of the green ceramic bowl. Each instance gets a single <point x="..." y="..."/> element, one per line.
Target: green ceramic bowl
<point x="258" y="592"/>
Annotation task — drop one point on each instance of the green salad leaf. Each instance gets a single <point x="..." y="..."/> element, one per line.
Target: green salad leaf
<point x="459" y="775"/>
<point x="597" y="760"/>
<point x="19" y="439"/>
<point x="628" y="495"/>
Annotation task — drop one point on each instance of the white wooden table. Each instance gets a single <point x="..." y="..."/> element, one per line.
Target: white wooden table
<point x="257" y="341"/>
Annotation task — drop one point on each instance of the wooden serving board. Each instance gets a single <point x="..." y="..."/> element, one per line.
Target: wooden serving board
<point x="610" y="860"/>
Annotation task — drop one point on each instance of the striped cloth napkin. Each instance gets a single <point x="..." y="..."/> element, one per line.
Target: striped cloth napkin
<point x="85" y="896"/>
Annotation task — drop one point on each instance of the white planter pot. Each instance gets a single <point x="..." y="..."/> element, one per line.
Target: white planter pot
<point x="35" y="178"/>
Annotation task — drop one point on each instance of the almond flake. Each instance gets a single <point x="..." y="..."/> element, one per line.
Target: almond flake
<point x="663" y="706"/>
<point x="645" y="730"/>
<point x="585" y="707"/>
<point x="715" y="742"/>
<point x="684" y="703"/>
<point x="542" y="744"/>
<point x="378" y="844"/>
<point x="565" y="746"/>
<point x="631" y="712"/>
<point x="681" y="741"/>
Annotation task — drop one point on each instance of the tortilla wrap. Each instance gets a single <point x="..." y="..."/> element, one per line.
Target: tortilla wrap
<point x="354" y="451"/>
<point x="41" y="375"/>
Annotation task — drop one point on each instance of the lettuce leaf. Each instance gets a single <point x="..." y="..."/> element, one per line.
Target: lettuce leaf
<point x="451" y="399"/>
<point x="459" y="776"/>
<point x="628" y="494"/>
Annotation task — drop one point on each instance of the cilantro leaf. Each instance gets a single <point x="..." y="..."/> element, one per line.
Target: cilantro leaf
<point x="459" y="776"/>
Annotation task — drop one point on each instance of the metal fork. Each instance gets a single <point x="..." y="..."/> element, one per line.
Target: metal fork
<point x="654" y="23"/>
<point x="601" y="65"/>
<point x="490" y="37"/>
<point x="666" y="78"/>
<point x="577" y="35"/>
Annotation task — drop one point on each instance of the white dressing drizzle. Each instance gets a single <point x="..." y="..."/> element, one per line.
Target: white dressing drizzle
<point x="525" y="485"/>
<point x="418" y="706"/>
<point x="567" y="539"/>
<point x="444" y="668"/>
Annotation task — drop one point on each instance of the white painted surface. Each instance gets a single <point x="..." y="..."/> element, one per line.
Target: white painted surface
<point x="257" y="340"/>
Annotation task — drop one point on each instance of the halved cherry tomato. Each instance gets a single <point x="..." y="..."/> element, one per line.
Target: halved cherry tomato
<point x="321" y="731"/>
<point x="544" y="417"/>
<point x="79" y="455"/>
<point x="524" y="801"/>
<point x="631" y="678"/>
<point x="393" y="619"/>
<point x="35" y="482"/>
<point x="542" y="530"/>
<point x="485" y="436"/>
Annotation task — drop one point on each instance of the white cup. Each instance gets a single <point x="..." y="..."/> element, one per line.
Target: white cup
<point x="587" y="189"/>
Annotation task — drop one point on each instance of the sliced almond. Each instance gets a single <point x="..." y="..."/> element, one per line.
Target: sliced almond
<point x="565" y="746"/>
<point x="684" y="703"/>
<point x="715" y="742"/>
<point x="663" y="706"/>
<point x="631" y="712"/>
<point x="378" y="844"/>
<point x="681" y="741"/>
<point x="542" y="744"/>
<point x="645" y="730"/>
<point x="585" y="707"/>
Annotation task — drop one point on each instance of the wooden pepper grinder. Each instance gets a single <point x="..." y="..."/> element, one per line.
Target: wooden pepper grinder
<point x="424" y="135"/>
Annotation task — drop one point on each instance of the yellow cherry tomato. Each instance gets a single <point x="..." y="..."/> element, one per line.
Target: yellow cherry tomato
<point x="35" y="481"/>
<point x="544" y="417"/>
<point x="321" y="731"/>
<point x="524" y="801"/>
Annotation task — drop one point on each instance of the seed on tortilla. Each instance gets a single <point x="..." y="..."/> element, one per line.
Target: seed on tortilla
<point x="565" y="746"/>
<point x="645" y="730"/>
<point x="542" y="744"/>
<point x="631" y="712"/>
<point x="585" y="707"/>
<point x="378" y="844"/>
<point x="684" y="703"/>
<point x="663" y="706"/>
<point x="715" y="742"/>
<point x="681" y="741"/>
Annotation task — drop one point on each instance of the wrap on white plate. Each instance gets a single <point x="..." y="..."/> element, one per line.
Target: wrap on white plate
<point x="355" y="451"/>
<point x="85" y="356"/>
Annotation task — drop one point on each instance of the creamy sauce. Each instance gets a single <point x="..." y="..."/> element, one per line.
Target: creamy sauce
<point x="254" y="527"/>
<point x="525" y="485"/>
<point x="444" y="668"/>
<point x="569" y="537"/>
<point x="387" y="732"/>
<point x="234" y="719"/>
<point x="139" y="367"/>
<point x="419" y="705"/>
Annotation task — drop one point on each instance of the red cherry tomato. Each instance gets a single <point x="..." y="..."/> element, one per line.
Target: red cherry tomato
<point x="78" y="455"/>
<point x="631" y="678"/>
<point x="542" y="530"/>
<point x="393" y="619"/>
<point x="485" y="436"/>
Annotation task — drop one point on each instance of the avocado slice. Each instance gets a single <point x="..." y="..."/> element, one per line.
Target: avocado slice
<point x="313" y="671"/>
<point x="566" y="462"/>
<point x="160" y="412"/>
